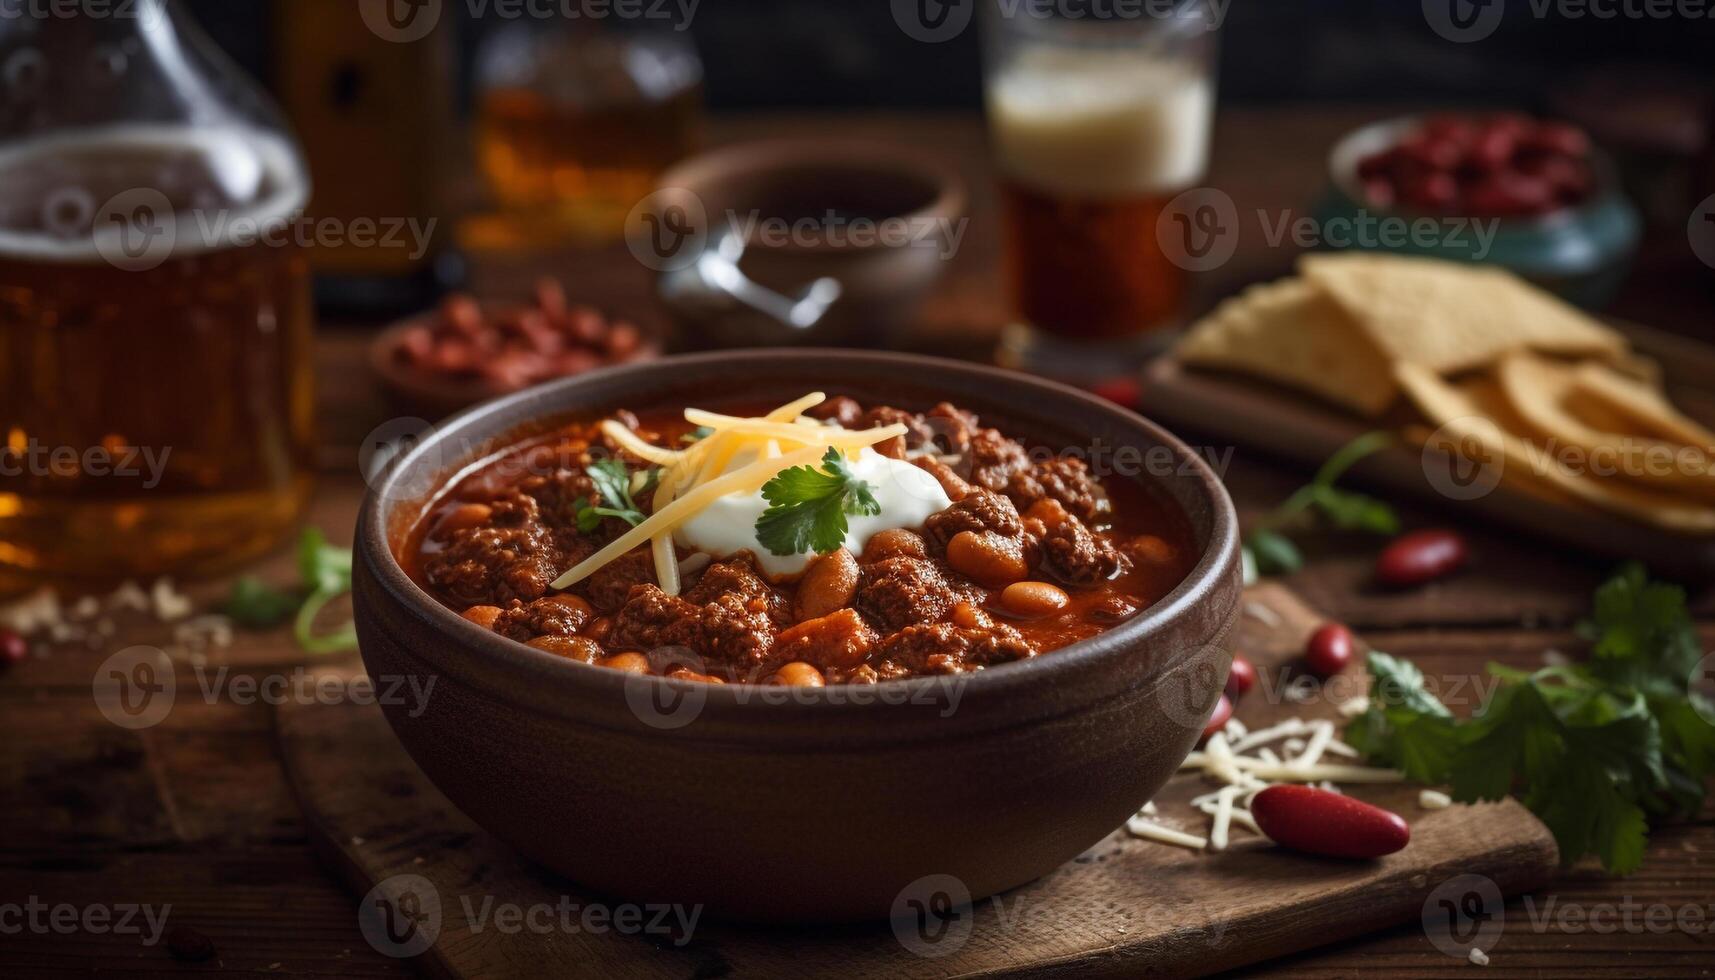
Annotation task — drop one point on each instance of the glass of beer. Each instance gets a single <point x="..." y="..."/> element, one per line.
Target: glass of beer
<point x="155" y="314"/>
<point x="1098" y="123"/>
<point x="576" y="123"/>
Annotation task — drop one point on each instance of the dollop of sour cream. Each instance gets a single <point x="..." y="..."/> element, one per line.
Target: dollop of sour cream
<point x="907" y="495"/>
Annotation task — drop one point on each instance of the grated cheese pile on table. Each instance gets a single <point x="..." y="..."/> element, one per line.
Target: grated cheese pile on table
<point x="1245" y="763"/>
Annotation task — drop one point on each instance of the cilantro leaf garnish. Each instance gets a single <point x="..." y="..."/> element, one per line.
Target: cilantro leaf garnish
<point x="1273" y="553"/>
<point x="254" y="604"/>
<point x="808" y="507"/>
<point x="324" y="574"/>
<point x="1594" y="750"/>
<point x="613" y="485"/>
<point x="326" y="571"/>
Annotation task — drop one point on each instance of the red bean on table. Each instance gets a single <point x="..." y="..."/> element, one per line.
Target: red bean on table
<point x="1419" y="557"/>
<point x="13" y="648"/>
<point x="1329" y="650"/>
<point x="1316" y="821"/>
<point x="1241" y="678"/>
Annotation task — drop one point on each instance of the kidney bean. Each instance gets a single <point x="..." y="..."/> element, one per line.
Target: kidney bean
<point x="579" y="648"/>
<point x="13" y="648"/>
<point x="1218" y="720"/>
<point x="1558" y="138"/>
<point x="1241" y="677"/>
<point x="630" y="662"/>
<point x="461" y="313"/>
<point x="189" y="946"/>
<point x="827" y="585"/>
<point x="623" y="339"/>
<point x="687" y="674"/>
<point x="550" y="296"/>
<point x="987" y="558"/>
<point x="1034" y="599"/>
<point x="1511" y="194"/>
<point x="1316" y="821"/>
<point x="1329" y="650"/>
<point x="463" y="516"/>
<point x="1433" y="192"/>
<point x="1419" y="557"/>
<point x="797" y="674"/>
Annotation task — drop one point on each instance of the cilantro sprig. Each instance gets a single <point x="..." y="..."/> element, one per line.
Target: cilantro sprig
<point x="324" y="574"/>
<point x="1271" y="552"/>
<point x="613" y="485"/>
<point x="808" y="507"/>
<point x="1595" y="750"/>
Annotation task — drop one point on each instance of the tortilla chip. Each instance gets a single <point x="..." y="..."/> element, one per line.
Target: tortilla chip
<point x="1542" y="394"/>
<point x="1461" y="414"/>
<point x="1640" y="404"/>
<point x="1447" y="316"/>
<point x="1292" y="334"/>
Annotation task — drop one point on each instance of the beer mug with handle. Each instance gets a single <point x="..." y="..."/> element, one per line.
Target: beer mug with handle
<point x="155" y="317"/>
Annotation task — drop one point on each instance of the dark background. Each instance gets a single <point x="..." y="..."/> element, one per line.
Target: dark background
<point x="850" y="53"/>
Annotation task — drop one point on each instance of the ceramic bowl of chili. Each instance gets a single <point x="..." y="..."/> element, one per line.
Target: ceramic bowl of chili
<point x="817" y="804"/>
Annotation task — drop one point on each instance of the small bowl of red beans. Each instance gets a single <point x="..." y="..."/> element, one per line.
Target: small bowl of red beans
<point x="1532" y="195"/>
<point x="466" y="351"/>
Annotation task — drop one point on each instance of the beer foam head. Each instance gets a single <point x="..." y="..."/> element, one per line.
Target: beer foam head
<point x="1101" y="123"/>
<point x="65" y="198"/>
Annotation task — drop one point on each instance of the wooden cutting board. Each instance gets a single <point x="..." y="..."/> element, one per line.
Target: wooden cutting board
<point x="1125" y="908"/>
<point x="1231" y="409"/>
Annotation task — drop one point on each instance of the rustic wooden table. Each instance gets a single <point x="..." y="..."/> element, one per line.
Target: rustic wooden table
<point x="195" y="812"/>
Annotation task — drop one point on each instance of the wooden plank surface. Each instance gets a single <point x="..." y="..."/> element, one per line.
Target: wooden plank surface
<point x="197" y="813"/>
<point x="1127" y="907"/>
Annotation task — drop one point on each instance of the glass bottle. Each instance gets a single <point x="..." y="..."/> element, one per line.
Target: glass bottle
<point x="156" y="401"/>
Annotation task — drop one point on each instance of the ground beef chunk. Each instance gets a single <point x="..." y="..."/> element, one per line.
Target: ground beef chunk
<point x="558" y="495"/>
<point x="729" y="632"/>
<point x="1070" y="550"/>
<point x="842" y="411"/>
<point x="610" y="586"/>
<point x="993" y="460"/>
<point x="952" y="427"/>
<point x="943" y="648"/>
<point x="897" y="592"/>
<point x="1067" y="480"/>
<point x="917" y="434"/>
<point x="979" y="511"/>
<point x="554" y="615"/>
<point x="738" y="576"/>
<point x="514" y="555"/>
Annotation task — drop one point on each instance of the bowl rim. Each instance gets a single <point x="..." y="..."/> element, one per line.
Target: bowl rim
<point x="1217" y="564"/>
<point x="783" y="154"/>
<point x="1354" y="145"/>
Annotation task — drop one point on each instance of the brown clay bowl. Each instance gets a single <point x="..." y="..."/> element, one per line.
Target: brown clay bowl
<point x="803" y="805"/>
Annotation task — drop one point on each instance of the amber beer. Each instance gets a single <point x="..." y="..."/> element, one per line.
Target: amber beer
<point x="1092" y="147"/>
<point x="575" y="127"/>
<point x="155" y="368"/>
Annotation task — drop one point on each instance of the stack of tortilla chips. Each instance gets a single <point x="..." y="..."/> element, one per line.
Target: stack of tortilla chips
<point x="1460" y="354"/>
